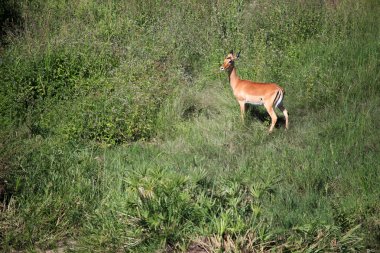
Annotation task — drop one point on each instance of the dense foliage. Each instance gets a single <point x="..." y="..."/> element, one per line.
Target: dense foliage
<point x="119" y="133"/>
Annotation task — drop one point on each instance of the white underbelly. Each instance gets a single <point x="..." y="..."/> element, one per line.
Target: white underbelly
<point x="255" y="101"/>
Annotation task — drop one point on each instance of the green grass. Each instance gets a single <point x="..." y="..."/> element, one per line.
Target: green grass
<point x="119" y="134"/>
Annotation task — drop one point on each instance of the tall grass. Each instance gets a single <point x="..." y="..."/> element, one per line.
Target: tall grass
<point x="118" y="133"/>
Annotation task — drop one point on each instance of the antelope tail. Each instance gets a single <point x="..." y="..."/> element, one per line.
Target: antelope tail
<point x="279" y="96"/>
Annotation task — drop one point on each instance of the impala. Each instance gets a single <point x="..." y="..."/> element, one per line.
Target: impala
<point x="247" y="92"/>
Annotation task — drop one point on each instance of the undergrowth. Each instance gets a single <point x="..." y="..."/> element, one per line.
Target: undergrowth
<point x="119" y="133"/>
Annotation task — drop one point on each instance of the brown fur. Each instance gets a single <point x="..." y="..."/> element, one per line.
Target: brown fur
<point x="245" y="91"/>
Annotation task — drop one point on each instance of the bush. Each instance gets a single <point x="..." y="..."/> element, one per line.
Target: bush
<point x="181" y="170"/>
<point x="54" y="75"/>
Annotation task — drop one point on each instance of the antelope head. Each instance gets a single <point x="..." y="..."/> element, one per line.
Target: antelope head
<point x="229" y="61"/>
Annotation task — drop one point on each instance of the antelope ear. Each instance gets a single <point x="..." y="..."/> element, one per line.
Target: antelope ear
<point x="238" y="55"/>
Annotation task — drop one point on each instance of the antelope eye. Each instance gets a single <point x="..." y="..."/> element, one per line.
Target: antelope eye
<point x="230" y="61"/>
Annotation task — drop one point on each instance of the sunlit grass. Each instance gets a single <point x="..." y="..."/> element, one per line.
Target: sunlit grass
<point x="119" y="133"/>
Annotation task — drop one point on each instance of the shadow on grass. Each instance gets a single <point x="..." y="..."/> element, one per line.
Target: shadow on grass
<point x="10" y="18"/>
<point x="259" y="112"/>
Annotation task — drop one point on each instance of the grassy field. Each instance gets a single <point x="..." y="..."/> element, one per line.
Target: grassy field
<point x="120" y="134"/>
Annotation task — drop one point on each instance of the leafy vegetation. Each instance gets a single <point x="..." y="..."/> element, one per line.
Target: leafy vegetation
<point x="119" y="133"/>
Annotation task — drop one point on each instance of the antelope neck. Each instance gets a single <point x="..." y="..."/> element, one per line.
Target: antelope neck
<point x="233" y="77"/>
